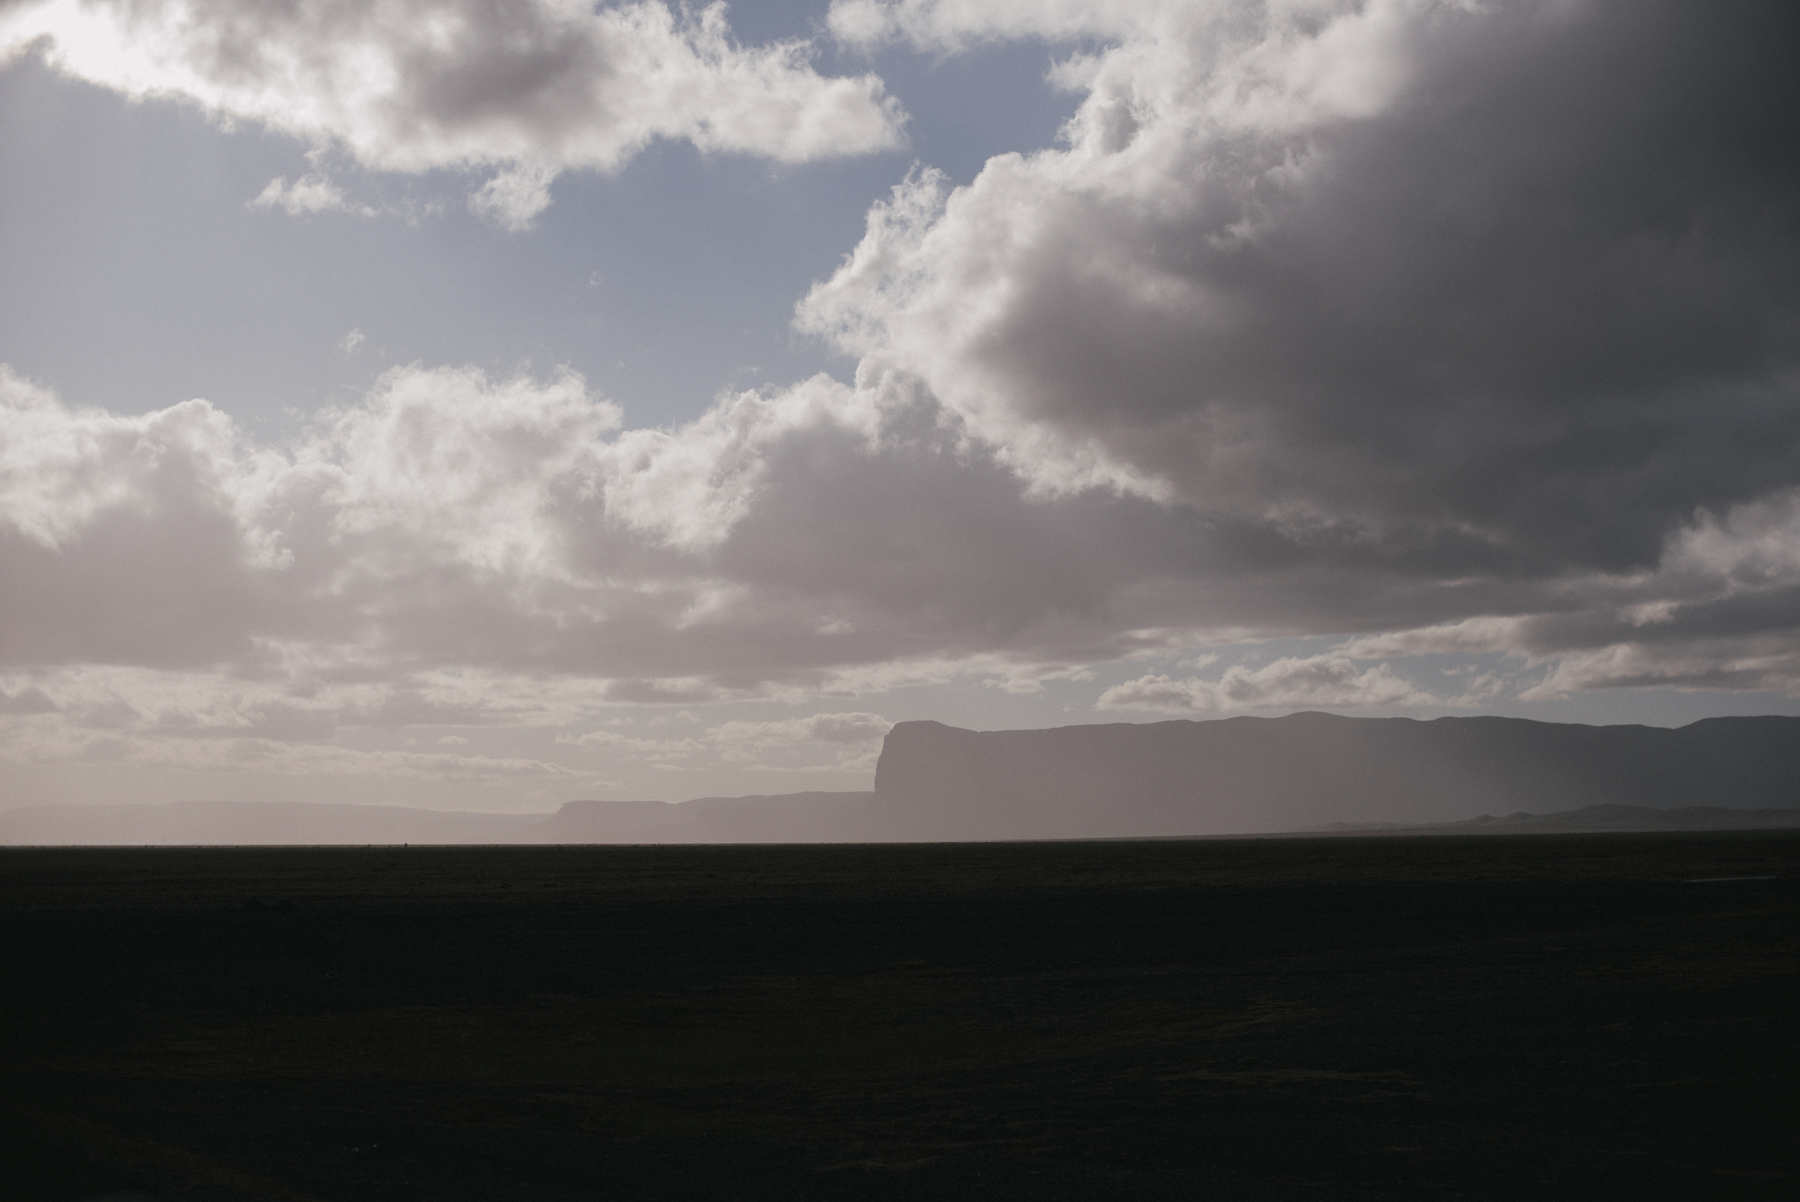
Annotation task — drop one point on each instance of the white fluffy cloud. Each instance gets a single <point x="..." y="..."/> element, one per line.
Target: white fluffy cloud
<point x="415" y="552"/>
<point x="526" y="89"/>
<point x="308" y="195"/>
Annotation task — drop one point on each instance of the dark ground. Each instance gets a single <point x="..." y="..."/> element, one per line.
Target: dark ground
<point x="1489" y="1017"/>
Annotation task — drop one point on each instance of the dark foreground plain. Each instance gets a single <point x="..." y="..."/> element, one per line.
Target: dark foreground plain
<point x="1492" y="1017"/>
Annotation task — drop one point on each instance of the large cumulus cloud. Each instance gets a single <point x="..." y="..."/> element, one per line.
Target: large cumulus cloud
<point x="793" y="539"/>
<point x="1482" y="308"/>
<point x="529" y="88"/>
<point x="1438" y="285"/>
<point x="463" y="551"/>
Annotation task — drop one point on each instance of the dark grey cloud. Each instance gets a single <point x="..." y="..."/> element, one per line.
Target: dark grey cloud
<point x="1533" y="313"/>
<point x="1420" y="312"/>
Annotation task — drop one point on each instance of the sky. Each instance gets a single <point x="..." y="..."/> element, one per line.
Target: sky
<point x="485" y="405"/>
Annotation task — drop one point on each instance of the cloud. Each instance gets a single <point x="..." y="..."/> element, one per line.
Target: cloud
<point x="29" y="700"/>
<point x="854" y="728"/>
<point x="854" y="738"/>
<point x="1466" y="328"/>
<point x="514" y="198"/>
<point x="1720" y="611"/>
<point x="306" y="196"/>
<point x="1291" y="683"/>
<point x="957" y="25"/>
<point x="1434" y="289"/>
<point x="528" y="89"/>
<point x="1471" y="636"/>
<point x="453" y="527"/>
<point x="285" y="759"/>
<point x="1769" y="663"/>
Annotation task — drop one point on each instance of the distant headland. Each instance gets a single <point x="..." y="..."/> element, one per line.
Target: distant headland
<point x="1304" y="773"/>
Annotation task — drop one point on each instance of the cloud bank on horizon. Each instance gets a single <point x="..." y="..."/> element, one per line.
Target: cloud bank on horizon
<point x="1432" y="328"/>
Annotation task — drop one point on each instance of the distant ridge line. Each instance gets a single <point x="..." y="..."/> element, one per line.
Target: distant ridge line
<point x="1250" y="775"/>
<point x="1307" y="773"/>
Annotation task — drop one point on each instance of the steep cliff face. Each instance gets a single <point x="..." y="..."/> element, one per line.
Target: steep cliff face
<point x="1241" y="775"/>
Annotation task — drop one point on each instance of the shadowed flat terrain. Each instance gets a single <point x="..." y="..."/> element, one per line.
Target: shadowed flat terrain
<point x="1491" y="1017"/>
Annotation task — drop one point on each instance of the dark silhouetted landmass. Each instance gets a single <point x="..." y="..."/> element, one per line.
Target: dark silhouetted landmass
<point x="1245" y="775"/>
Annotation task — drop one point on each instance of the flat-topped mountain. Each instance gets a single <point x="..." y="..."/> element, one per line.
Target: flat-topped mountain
<point x="1246" y="775"/>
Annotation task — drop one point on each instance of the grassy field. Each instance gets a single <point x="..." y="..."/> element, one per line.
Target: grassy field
<point x="1485" y="1017"/>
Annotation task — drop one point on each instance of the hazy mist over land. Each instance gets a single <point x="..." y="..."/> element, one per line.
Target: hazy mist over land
<point x="486" y="408"/>
<point x="934" y="783"/>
